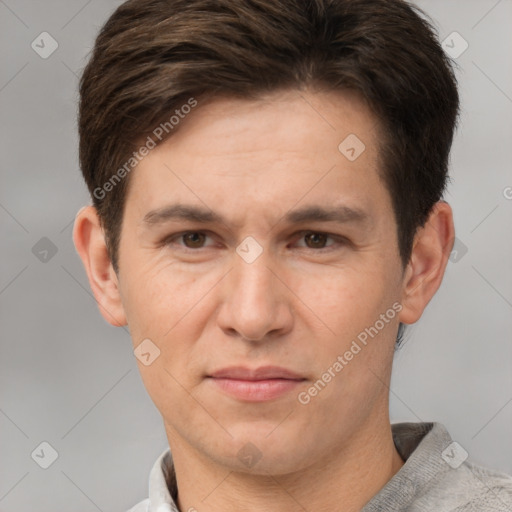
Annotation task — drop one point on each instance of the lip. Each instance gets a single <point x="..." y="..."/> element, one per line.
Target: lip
<point x="256" y="385"/>
<point x="261" y="373"/>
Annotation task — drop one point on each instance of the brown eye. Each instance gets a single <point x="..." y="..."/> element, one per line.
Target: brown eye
<point x="316" y="240"/>
<point x="193" y="240"/>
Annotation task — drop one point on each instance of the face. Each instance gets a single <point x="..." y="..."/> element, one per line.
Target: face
<point x="257" y="256"/>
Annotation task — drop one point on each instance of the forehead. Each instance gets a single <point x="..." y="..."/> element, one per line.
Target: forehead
<point x="320" y="118"/>
<point x="275" y="150"/>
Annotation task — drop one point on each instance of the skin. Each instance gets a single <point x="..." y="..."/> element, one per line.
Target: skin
<point x="299" y="305"/>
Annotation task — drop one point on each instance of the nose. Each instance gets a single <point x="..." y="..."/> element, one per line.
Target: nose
<point x="256" y="305"/>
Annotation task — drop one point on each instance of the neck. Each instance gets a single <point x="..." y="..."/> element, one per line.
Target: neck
<point x="346" y="480"/>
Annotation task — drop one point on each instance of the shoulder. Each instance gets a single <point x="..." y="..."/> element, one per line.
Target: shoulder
<point x="437" y="475"/>
<point x="468" y="488"/>
<point x="143" y="506"/>
<point x="487" y="489"/>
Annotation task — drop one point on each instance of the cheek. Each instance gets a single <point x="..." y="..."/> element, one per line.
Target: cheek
<point x="346" y="300"/>
<point x="169" y="308"/>
<point x="172" y="307"/>
<point x="156" y="294"/>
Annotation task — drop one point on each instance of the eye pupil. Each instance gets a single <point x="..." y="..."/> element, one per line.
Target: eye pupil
<point x="316" y="239"/>
<point x="193" y="239"/>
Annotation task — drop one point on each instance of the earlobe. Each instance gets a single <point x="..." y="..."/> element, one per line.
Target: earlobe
<point x="89" y="240"/>
<point x="425" y="270"/>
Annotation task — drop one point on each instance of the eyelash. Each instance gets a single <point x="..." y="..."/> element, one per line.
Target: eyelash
<point x="336" y="238"/>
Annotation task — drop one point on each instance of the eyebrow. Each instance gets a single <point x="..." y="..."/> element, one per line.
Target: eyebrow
<point x="181" y="212"/>
<point x="341" y="214"/>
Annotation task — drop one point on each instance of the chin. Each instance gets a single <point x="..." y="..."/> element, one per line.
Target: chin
<point x="264" y="449"/>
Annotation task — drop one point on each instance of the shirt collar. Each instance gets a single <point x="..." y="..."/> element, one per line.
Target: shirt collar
<point x="163" y="490"/>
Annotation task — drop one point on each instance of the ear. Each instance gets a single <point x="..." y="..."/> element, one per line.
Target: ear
<point x="432" y="246"/>
<point x="89" y="240"/>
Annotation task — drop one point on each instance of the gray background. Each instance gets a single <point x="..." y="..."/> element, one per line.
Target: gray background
<point x="70" y="379"/>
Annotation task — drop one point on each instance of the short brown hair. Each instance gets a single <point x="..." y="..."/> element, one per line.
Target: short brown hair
<point x="152" y="56"/>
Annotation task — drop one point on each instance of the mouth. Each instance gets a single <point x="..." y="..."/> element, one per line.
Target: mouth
<point x="255" y="385"/>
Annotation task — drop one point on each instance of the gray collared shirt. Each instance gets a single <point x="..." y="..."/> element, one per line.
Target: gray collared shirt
<point x="436" y="477"/>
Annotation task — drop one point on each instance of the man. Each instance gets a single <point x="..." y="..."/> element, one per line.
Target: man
<point x="267" y="181"/>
